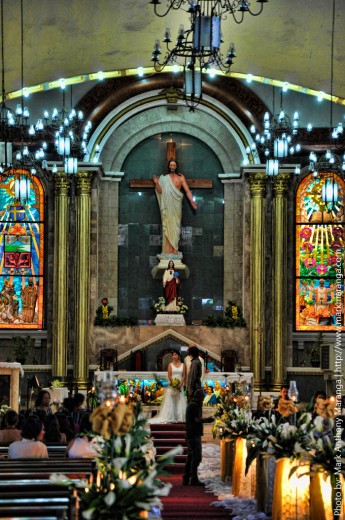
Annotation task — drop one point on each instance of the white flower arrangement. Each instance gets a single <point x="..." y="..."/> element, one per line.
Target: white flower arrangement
<point x="181" y="307"/>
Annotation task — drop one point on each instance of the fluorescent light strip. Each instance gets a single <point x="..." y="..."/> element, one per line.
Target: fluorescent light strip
<point x="97" y="76"/>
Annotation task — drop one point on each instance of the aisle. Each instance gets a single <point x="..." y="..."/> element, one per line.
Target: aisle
<point x="183" y="502"/>
<point x="190" y="502"/>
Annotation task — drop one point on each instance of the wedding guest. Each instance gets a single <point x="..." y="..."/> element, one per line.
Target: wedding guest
<point x="83" y="445"/>
<point x="31" y="445"/>
<point x="78" y="410"/>
<point x="10" y="432"/>
<point x="42" y="405"/>
<point x="52" y="430"/>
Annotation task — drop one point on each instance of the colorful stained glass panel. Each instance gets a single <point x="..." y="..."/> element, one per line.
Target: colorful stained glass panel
<point x="320" y="228"/>
<point x="21" y="257"/>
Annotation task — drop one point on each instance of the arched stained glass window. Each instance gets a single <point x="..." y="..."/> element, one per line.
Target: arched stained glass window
<point x="320" y="255"/>
<point x="21" y="256"/>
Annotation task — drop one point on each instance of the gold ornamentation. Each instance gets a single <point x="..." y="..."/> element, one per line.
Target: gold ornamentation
<point x="281" y="184"/>
<point x="258" y="184"/>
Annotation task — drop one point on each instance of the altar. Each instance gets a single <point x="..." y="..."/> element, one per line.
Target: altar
<point x="154" y="382"/>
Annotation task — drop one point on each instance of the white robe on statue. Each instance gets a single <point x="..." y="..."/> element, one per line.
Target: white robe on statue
<point x="170" y="205"/>
<point x="173" y="407"/>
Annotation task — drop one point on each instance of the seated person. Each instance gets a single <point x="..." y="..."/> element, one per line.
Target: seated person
<point x="10" y="432"/>
<point x="52" y="430"/>
<point x="83" y="446"/>
<point x="31" y="445"/>
<point x="283" y="394"/>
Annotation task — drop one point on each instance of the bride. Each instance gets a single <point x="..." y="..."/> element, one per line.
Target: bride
<point x="173" y="407"/>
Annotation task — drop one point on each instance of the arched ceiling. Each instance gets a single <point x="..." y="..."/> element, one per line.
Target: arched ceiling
<point x="290" y="41"/>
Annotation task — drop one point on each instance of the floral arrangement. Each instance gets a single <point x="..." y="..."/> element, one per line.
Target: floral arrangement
<point x="233" y="317"/>
<point x="175" y="383"/>
<point x="325" y="407"/>
<point x="56" y="384"/>
<point x="265" y="404"/>
<point x="286" y="407"/>
<point x="159" y="306"/>
<point x="127" y="486"/>
<point x="232" y="417"/>
<point x="233" y="424"/>
<point x="3" y="409"/>
<point x="289" y="440"/>
<point x="104" y="318"/>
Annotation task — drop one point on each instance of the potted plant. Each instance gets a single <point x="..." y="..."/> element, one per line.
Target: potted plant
<point x="22" y="343"/>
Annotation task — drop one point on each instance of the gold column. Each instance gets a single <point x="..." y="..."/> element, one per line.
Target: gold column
<point x="257" y="276"/>
<point x="279" y="296"/>
<point x="82" y="278"/>
<point x="60" y="277"/>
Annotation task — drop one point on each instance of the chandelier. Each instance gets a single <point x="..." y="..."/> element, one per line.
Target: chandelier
<point x="237" y="8"/>
<point x="16" y="157"/>
<point x="69" y="133"/>
<point x="196" y="49"/>
<point x="277" y="141"/>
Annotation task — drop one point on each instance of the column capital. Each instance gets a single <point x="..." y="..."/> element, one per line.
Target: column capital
<point x="62" y="184"/>
<point x="257" y="183"/>
<point x="83" y="182"/>
<point x="281" y="183"/>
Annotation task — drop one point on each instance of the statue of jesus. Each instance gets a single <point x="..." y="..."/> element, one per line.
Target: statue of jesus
<point x="168" y="191"/>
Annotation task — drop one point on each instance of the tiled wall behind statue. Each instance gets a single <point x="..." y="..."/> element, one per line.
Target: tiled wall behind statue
<point x="140" y="238"/>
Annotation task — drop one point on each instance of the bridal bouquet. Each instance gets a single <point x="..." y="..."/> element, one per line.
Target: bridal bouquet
<point x="175" y="383"/>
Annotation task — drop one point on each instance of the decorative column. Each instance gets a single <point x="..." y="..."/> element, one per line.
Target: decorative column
<point x="257" y="276"/>
<point x="279" y="285"/>
<point x="60" y="276"/>
<point x="82" y="278"/>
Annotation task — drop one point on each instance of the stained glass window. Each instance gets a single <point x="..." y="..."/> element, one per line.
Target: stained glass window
<point x="21" y="255"/>
<point x="320" y="254"/>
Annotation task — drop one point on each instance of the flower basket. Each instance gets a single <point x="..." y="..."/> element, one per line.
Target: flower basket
<point x="243" y="485"/>
<point x="291" y="497"/>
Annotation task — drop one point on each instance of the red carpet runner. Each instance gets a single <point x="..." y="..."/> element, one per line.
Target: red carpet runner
<point x="183" y="502"/>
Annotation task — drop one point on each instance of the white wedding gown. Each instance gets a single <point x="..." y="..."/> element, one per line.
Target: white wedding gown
<point x="173" y="407"/>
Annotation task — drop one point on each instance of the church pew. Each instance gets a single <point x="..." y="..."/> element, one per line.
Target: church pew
<point x="19" y="498"/>
<point x="42" y="468"/>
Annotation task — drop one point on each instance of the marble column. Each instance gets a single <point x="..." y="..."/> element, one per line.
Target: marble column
<point x="82" y="278"/>
<point x="257" y="277"/>
<point x="60" y="276"/>
<point x="279" y="289"/>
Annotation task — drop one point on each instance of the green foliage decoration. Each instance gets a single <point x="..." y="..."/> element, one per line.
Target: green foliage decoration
<point x="233" y="317"/>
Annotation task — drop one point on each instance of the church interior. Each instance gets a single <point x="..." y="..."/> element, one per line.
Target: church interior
<point x="260" y="259"/>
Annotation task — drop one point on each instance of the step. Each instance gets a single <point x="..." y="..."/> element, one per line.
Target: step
<point x="164" y="449"/>
<point x="169" y="441"/>
<point x="168" y="435"/>
<point x="168" y="426"/>
<point x="177" y="458"/>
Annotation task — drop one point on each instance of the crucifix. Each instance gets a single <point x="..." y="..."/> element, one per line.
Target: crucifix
<point x="169" y="195"/>
<point x="171" y="154"/>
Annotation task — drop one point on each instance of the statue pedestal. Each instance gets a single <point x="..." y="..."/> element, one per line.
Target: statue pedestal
<point x="164" y="259"/>
<point x="171" y="320"/>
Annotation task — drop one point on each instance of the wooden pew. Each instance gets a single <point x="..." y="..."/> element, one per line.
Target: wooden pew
<point x="74" y="468"/>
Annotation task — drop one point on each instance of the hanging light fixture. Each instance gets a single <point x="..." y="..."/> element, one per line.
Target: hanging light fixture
<point x="16" y="158"/>
<point x="237" y="8"/>
<point x="329" y="165"/>
<point x="277" y="141"/>
<point x="197" y="49"/>
<point x="70" y="134"/>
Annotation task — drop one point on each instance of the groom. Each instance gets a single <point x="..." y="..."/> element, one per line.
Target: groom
<point x="194" y="373"/>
